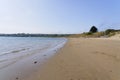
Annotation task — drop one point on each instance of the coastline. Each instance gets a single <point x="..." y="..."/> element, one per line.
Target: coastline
<point x="27" y="62"/>
<point x="83" y="59"/>
<point x="79" y="59"/>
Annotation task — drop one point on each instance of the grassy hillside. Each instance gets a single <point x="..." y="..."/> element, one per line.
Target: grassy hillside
<point x="106" y="33"/>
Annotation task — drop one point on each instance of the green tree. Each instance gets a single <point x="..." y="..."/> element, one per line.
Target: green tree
<point x="93" y="29"/>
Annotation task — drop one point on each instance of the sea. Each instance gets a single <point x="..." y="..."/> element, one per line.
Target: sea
<point x="13" y="49"/>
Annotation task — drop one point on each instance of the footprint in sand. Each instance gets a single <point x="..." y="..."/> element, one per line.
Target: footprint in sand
<point x="111" y="71"/>
<point x="109" y="55"/>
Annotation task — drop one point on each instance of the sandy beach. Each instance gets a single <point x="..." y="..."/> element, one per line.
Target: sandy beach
<point x="83" y="59"/>
<point x="59" y="40"/>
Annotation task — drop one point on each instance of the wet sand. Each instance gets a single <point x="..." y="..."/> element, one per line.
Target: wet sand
<point x="83" y="59"/>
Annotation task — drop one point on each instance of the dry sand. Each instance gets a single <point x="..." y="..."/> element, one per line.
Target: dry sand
<point x="117" y="36"/>
<point x="83" y="59"/>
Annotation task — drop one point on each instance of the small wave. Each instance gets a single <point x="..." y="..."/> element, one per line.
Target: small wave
<point x="15" y="51"/>
<point x="47" y="48"/>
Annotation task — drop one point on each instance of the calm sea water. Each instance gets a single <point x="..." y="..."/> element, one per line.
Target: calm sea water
<point x="13" y="49"/>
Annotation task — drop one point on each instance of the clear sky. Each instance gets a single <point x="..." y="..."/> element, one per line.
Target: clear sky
<point x="58" y="16"/>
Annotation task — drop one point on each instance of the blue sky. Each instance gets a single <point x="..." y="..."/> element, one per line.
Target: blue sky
<point x="58" y="16"/>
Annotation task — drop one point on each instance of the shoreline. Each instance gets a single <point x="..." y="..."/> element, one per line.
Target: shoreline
<point x="83" y="59"/>
<point x="23" y="66"/>
<point x="79" y="59"/>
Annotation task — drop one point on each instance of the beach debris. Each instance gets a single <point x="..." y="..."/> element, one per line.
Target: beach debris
<point x="17" y="78"/>
<point x="35" y="62"/>
<point x="55" y="50"/>
<point x="44" y="55"/>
